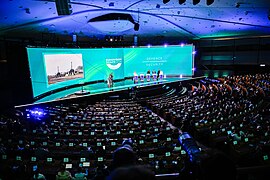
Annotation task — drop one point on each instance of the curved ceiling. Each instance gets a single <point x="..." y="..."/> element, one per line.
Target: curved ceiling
<point x="230" y="18"/>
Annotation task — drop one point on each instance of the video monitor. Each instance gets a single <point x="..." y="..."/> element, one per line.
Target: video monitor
<point x="4" y="156"/>
<point x="68" y="166"/>
<point x="86" y="164"/>
<point x="33" y="159"/>
<point x="183" y="152"/>
<point x="63" y="67"/>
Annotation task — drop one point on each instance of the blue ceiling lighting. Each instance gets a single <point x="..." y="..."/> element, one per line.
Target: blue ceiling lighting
<point x="181" y="20"/>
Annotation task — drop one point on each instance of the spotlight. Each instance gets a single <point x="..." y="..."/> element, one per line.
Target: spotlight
<point x="35" y="113"/>
<point x="27" y="10"/>
<point x="182" y="1"/>
<point x="209" y="2"/>
<point x="74" y="38"/>
<point x="166" y="1"/>
<point x="195" y="2"/>
<point x="136" y="26"/>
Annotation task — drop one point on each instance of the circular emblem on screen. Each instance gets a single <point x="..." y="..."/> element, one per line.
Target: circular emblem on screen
<point x="114" y="63"/>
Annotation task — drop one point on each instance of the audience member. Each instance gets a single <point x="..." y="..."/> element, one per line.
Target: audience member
<point x="63" y="174"/>
<point x="132" y="173"/>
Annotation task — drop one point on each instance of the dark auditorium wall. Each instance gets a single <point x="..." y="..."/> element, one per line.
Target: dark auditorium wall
<point x="236" y="54"/>
<point x="4" y="92"/>
<point x="15" y="77"/>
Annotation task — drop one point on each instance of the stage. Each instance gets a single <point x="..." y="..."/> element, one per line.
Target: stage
<point x="102" y="88"/>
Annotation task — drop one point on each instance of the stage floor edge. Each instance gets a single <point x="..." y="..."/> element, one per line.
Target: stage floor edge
<point x="100" y="88"/>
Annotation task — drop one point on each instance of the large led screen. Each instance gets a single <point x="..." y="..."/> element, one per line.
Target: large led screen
<point x="172" y="60"/>
<point x="53" y="68"/>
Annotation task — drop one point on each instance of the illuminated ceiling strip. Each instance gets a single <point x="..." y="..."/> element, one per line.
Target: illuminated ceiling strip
<point x="94" y="10"/>
<point x="217" y="20"/>
<point x="133" y="4"/>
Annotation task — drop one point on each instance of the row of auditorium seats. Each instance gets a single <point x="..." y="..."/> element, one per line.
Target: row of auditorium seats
<point x="229" y="113"/>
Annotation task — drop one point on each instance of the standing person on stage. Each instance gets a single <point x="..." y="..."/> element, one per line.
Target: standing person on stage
<point x="158" y="72"/>
<point x="110" y="80"/>
<point x="148" y="72"/>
